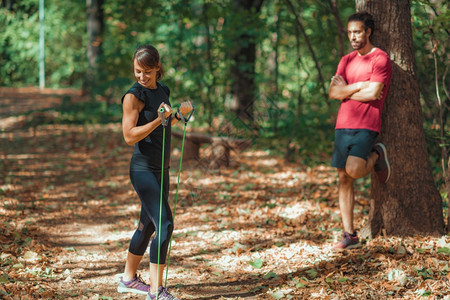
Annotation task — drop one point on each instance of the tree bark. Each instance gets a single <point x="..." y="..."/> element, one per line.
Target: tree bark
<point x="447" y="184"/>
<point x="409" y="203"/>
<point x="244" y="57"/>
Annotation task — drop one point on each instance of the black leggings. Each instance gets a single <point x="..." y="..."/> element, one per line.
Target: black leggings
<point x="147" y="185"/>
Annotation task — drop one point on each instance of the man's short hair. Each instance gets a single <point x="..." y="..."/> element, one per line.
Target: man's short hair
<point x="365" y="18"/>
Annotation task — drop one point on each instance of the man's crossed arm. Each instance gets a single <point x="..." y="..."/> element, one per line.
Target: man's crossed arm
<point x="362" y="91"/>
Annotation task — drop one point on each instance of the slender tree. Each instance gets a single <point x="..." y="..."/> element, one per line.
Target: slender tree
<point x="8" y="4"/>
<point x="210" y="61"/>
<point x="334" y="8"/>
<point x="95" y="28"/>
<point x="274" y="64"/>
<point x="410" y="202"/>
<point x="310" y="47"/>
<point x="244" y="56"/>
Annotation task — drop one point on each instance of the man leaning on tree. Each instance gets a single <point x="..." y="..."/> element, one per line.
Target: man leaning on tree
<point x="361" y="83"/>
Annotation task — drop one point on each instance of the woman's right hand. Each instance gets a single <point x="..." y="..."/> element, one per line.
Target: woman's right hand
<point x="167" y="110"/>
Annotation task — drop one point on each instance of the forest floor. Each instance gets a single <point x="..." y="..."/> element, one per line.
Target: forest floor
<point x="258" y="229"/>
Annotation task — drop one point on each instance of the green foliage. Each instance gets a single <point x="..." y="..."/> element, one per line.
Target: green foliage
<point x="430" y="37"/>
<point x="19" y="45"/>
<point x="65" y="50"/>
<point x="65" y="46"/>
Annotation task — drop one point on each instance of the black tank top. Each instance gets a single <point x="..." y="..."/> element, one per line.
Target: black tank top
<point x="148" y="152"/>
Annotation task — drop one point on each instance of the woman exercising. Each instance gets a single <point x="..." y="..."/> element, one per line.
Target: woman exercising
<point x="145" y="106"/>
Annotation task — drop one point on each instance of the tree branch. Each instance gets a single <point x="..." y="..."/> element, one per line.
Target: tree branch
<point x="308" y="43"/>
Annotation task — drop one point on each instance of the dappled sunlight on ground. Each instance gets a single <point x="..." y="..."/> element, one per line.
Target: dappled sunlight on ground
<point x="260" y="229"/>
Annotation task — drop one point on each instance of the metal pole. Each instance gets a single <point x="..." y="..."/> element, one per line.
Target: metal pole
<point x="41" y="46"/>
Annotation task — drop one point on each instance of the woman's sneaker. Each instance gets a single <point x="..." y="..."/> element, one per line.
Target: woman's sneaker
<point x="135" y="285"/>
<point x="163" y="293"/>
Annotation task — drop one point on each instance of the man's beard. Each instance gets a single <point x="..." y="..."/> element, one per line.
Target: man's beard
<point x="358" y="45"/>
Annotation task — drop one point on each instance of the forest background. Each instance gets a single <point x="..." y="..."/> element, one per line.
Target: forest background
<point x="297" y="46"/>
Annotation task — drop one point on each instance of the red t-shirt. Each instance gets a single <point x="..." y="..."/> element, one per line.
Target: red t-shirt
<point x="373" y="67"/>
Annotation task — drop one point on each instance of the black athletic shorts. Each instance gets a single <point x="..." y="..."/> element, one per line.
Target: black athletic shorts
<point x="354" y="142"/>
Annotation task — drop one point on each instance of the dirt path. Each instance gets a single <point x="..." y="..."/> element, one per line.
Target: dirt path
<point x="261" y="229"/>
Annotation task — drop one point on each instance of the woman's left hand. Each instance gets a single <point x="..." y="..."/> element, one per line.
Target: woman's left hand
<point x="186" y="107"/>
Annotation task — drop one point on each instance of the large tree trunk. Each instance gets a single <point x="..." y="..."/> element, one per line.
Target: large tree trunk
<point x="244" y="57"/>
<point x="410" y="202"/>
<point x="95" y="27"/>
<point x="447" y="183"/>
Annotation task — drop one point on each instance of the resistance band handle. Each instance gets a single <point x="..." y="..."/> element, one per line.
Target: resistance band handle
<point x="183" y="118"/>
<point x="164" y="121"/>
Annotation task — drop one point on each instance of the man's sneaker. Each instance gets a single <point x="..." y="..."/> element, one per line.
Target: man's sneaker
<point x="135" y="285"/>
<point x="163" y="293"/>
<point x="349" y="241"/>
<point x="382" y="167"/>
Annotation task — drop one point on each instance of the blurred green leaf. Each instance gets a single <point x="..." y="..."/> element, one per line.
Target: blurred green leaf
<point x="257" y="263"/>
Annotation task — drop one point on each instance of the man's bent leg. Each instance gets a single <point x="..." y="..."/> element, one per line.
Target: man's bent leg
<point x="357" y="167"/>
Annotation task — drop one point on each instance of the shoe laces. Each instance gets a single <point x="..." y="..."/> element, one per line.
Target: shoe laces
<point x="140" y="280"/>
<point x="163" y="293"/>
<point x="166" y="293"/>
